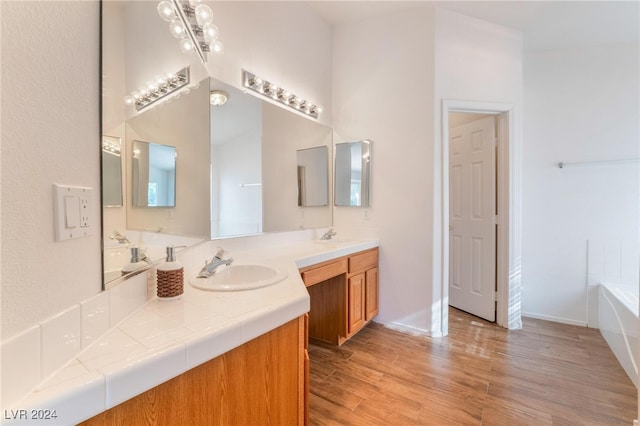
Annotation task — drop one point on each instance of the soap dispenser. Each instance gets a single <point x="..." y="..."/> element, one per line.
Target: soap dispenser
<point x="170" y="276"/>
<point x="136" y="263"/>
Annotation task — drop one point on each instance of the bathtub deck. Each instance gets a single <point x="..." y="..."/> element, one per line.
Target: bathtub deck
<point x="481" y="374"/>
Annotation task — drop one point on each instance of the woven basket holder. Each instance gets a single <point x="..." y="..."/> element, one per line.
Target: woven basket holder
<point x="171" y="283"/>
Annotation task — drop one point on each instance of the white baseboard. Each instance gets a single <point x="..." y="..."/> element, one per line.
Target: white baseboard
<point x="554" y="319"/>
<point x="403" y="328"/>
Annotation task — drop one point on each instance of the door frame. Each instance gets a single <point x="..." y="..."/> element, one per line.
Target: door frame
<point x="509" y="181"/>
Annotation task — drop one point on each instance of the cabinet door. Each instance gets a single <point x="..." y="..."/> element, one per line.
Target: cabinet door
<point x="371" y="293"/>
<point x="356" y="302"/>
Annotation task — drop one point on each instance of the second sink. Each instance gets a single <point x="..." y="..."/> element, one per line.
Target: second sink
<point x="240" y="277"/>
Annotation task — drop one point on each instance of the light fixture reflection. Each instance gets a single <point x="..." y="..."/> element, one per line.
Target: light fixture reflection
<point x="158" y="89"/>
<point x="276" y="93"/>
<point x="218" y="97"/>
<point x="190" y="21"/>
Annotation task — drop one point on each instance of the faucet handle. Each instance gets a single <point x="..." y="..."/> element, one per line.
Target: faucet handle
<point x="220" y="253"/>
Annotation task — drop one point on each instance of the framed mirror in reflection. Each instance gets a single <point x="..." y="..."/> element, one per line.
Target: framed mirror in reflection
<point x="153" y="175"/>
<point x="313" y="177"/>
<point x="111" y="171"/>
<point x="353" y="173"/>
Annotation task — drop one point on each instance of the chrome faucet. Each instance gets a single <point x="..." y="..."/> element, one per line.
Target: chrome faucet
<point x="119" y="237"/>
<point x="329" y="234"/>
<point x="209" y="268"/>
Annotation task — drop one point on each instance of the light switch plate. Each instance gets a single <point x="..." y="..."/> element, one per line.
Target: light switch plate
<point x="73" y="211"/>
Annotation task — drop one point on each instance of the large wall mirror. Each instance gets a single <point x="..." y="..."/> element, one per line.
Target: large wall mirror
<point x="236" y="164"/>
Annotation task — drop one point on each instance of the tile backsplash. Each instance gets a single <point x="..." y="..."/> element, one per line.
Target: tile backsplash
<point x="33" y="355"/>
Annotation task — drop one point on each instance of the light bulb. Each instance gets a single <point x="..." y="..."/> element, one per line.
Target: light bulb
<point x="185" y="45"/>
<point x="128" y="100"/>
<point x="194" y="3"/>
<point x="177" y="29"/>
<point x="217" y="47"/>
<point x="210" y="32"/>
<point x="136" y="95"/>
<point x="204" y="15"/>
<point x="166" y="11"/>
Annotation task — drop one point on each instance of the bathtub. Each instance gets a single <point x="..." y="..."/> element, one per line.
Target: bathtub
<point x="618" y="321"/>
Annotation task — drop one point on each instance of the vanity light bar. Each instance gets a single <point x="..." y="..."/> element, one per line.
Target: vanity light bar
<point x="278" y="94"/>
<point x="158" y="89"/>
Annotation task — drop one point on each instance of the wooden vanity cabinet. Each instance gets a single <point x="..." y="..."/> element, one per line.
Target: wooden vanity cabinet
<point x="363" y="289"/>
<point x="265" y="381"/>
<point x="343" y="294"/>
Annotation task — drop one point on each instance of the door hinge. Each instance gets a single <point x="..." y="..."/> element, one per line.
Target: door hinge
<point x="495" y="219"/>
<point x="495" y="296"/>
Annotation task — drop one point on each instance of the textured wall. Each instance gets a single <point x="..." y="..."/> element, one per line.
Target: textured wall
<point x="50" y="134"/>
<point x="383" y="91"/>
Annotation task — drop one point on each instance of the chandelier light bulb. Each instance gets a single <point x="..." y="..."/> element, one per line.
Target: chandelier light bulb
<point x="166" y="11"/>
<point x="204" y="15"/>
<point x="185" y="45"/>
<point x="210" y="32"/>
<point x="217" y="47"/>
<point x="177" y="29"/>
<point x="128" y="100"/>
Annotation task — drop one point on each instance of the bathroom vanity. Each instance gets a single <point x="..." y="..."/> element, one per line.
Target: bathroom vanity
<point x="236" y="357"/>
<point x="265" y="378"/>
<point x="343" y="294"/>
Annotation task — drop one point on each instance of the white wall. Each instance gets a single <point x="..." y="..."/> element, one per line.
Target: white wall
<point x="238" y="162"/>
<point x="581" y="105"/>
<point x="383" y="91"/>
<point x="389" y="86"/>
<point x="50" y="134"/>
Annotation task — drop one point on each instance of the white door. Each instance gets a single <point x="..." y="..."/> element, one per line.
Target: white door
<point x="472" y="218"/>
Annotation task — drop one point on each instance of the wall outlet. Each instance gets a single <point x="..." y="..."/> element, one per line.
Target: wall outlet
<point x="73" y="211"/>
<point x="85" y="209"/>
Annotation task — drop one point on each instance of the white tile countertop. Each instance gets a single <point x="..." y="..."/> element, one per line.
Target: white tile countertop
<point x="165" y="338"/>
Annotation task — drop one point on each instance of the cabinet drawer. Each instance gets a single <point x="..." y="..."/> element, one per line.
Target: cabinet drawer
<point x="323" y="273"/>
<point x="363" y="261"/>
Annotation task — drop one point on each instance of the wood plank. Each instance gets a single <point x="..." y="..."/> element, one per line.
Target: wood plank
<point x="318" y="274"/>
<point x="481" y="374"/>
<point x="361" y="262"/>
<point x="327" y="316"/>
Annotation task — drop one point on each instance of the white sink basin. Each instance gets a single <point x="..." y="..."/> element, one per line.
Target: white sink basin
<point x="239" y="277"/>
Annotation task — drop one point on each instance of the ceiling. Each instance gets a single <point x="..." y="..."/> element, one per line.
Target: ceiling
<point x="545" y="24"/>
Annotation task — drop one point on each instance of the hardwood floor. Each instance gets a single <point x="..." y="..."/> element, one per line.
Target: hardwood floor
<point x="481" y="374"/>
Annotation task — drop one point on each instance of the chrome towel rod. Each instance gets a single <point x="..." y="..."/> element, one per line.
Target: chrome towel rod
<point x="563" y="164"/>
